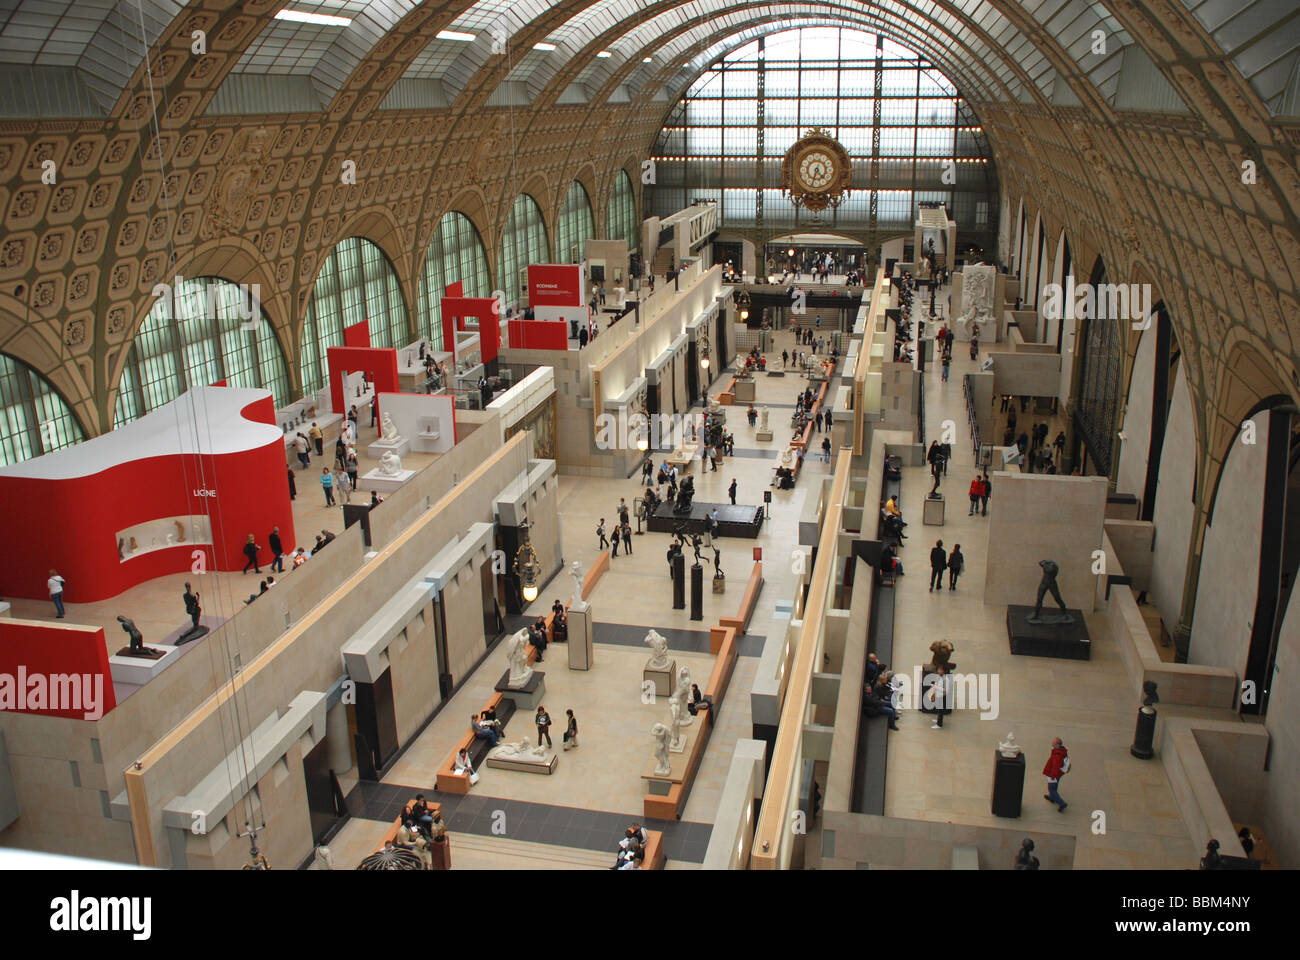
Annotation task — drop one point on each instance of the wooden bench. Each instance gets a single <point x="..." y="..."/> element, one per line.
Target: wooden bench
<point x="448" y="780"/>
<point x="390" y="835"/>
<point x="728" y="395"/>
<point x="748" y="601"/>
<point x="654" y="850"/>
<point x="671" y="805"/>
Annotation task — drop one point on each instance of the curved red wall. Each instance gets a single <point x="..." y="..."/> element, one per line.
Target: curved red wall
<point x="71" y="525"/>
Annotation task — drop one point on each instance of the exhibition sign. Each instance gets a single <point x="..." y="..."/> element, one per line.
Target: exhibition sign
<point x="555" y="285"/>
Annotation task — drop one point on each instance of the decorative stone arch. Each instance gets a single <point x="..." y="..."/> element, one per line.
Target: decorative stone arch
<point x="535" y="186"/>
<point x="29" y="343"/>
<point x="379" y="225"/>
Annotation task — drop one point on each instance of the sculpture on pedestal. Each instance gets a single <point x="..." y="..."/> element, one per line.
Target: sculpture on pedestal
<point x="762" y="419"/>
<point x="659" y="651"/>
<point x="390" y="429"/>
<point x="787" y="457"/>
<point x="685" y="493"/>
<point x="941" y="651"/>
<point x="517" y="750"/>
<point x="662" y="737"/>
<point x="1046" y="585"/>
<point x="180" y="531"/>
<point x="390" y="464"/>
<point x="578" y="575"/>
<point x="192" y="605"/>
<point x="677" y="712"/>
<point x="137" y="647"/>
<point x="1025" y="859"/>
<point x="121" y="549"/>
<point x="1008" y="747"/>
<point x="520" y="671"/>
<point x="677" y="701"/>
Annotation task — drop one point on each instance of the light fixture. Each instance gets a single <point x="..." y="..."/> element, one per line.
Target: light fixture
<point x="743" y="303"/>
<point x="544" y="46"/>
<point x="324" y="19"/>
<point x="791" y="251"/>
<point x="527" y="566"/>
<point x="643" y="436"/>
<point x="604" y="54"/>
<point x="454" y="35"/>
<point x="647" y="59"/>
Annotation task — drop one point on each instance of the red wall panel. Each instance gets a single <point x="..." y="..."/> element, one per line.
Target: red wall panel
<point x="539" y="335"/>
<point x="379" y="363"/>
<point x="29" y="649"/>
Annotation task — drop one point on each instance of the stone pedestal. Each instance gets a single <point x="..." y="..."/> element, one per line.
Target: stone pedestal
<point x="546" y="766"/>
<point x="529" y="696"/>
<point x="579" y="642"/>
<point x="140" y="670"/>
<point x="745" y="391"/>
<point x="383" y="482"/>
<point x="932" y="512"/>
<point x="678" y="746"/>
<point x="400" y="447"/>
<point x="662" y="679"/>
<point x="719" y="584"/>
<point x="1008" y="784"/>
<point x="763" y="435"/>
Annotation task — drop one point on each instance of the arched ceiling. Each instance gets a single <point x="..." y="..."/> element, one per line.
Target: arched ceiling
<point x="1036" y="52"/>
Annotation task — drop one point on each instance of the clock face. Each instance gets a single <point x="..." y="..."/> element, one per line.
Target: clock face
<point x="816" y="170"/>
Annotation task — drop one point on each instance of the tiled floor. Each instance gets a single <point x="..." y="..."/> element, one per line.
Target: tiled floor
<point x="947" y="774"/>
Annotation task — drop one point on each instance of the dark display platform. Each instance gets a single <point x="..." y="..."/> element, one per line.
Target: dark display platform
<point x="738" y="521"/>
<point x="1064" y="641"/>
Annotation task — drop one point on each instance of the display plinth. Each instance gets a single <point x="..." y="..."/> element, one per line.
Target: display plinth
<point x="1008" y="784"/>
<point x="527" y="697"/>
<point x="659" y="784"/>
<point x="678" y="746"/>
<point x="763" y="435"/>
<point x="5" y="610"/>
<point x="546" y="767"/>
<point x="932" y="512"/>
<point x="719" y="584"/>
<point x="579" y="641"/>
<point x="745" y="391"/>
<point x="382" y="482"/>
<point x="140" y="670"/>
<point x="399" y="447"/>
<point x="661" y="679"/>
<point x="1064" y="641"/>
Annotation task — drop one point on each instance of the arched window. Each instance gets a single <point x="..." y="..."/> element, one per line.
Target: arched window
<point x="34" y="420"/>
<point x="208" y="329"/>
<point x="455" y="253"/>
<point x="523" y="241"/>
<point x="576" y="225"/>
<point x="621" y="222"/>
<point x="355" y="283"/>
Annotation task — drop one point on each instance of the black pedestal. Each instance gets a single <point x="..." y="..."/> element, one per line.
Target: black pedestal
<point x="1008" y="784"/>
<point x="1144" y="736"/>
<point x="679" y="582"/>
<point x="1065" y="641"/>
<point x="697" y="592"/>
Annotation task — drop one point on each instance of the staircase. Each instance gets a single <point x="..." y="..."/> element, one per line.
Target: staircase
<point x="472" y="851"/>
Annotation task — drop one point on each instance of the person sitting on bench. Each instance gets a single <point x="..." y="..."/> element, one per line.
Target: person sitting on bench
<point x="698" y="701"/>
<point x="559" y="623"/>
<point x="484" y="730"/>
<point x="464" y="766"/>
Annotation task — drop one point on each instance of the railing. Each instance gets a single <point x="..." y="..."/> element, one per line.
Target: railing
<point x="972" y="416"/>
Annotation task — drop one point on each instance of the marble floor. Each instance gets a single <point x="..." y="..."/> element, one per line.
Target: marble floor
<point x="1121" y="809"/>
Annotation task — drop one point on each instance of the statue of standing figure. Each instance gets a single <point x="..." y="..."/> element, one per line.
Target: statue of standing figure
<point x="578" y="575"/>
<point x="677" y="701"/>
<point x="662" y="737"/>
<point x="659" y="650"/>
<point x="762" y="419"/>
<point x="1045" y="586"/>
<point x="520" y="671"/>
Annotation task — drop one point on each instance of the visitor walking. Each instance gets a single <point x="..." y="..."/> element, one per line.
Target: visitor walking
<point x="277" y="550"/>
<point x="301" y="445"/>
<point x="731" y="491"/>
<point x="938" y="563"/>
<point x="55" y="583"/>
<point x="956" y="561"/>
<point x="600" y="532"/>
<point x="318" y="439"/>
<point x="627" y="538"/>
<point x="571" y="731"/>
<point x="293" y="485"/>
<point x="327" y="484"/>
<point x="976" y="491"/>
<point x="1058" y="765"/>
<point x="250" y="550"/>
<point x="543" y="721"/>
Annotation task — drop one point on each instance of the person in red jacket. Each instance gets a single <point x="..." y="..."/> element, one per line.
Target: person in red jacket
<point x="976" y="491"/>
<point x="1058" y="764"/>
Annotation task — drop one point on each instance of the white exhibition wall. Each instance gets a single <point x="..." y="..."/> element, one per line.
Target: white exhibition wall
<point x="414" y="414"/>
<point x="1174" y="511"/>
<point x="1136" y="450"/>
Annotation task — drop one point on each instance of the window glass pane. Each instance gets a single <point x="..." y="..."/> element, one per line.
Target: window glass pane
<point x="523" y="242"/>
<point x="34" y="420"/>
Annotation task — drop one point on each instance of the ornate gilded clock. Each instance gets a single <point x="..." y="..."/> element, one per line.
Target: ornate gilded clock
<point x="817" y="171"/>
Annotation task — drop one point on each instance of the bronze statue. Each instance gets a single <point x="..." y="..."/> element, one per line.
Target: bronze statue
<point x="1048" y="584"/>
<point x="137" y="639"/>
<point x="192" y="605"/>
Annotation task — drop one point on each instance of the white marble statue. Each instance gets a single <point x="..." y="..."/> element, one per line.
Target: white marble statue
<point x="349" y="433"/>
<point x="977" y="293"/>
<point x="787" y="457"/>
<point x="677" y="714"/>
<point x="390" y="429"/>
<point x="659" y="651"/>
<point x="390" y="464"/>
<point x="324" y="859"/>
<point x="578" y="575"/>
<point x="518" y="750"/>
<point x="762" y="419"/>
<point x="681" y="693"/>
<point x="520" y="671"/>
<point x="1009" y="747"/>
<point x="662" y="737"/>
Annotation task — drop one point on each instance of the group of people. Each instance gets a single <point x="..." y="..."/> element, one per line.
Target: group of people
<point x="631" y="849"/>
<point x="252" y="551"/>
<point x="623" y="528"/>
<point x="1036" y="455"/>
<point x="422" y="827"/>
<point x="981" y="488"/>
<point x="941" y="560"/>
